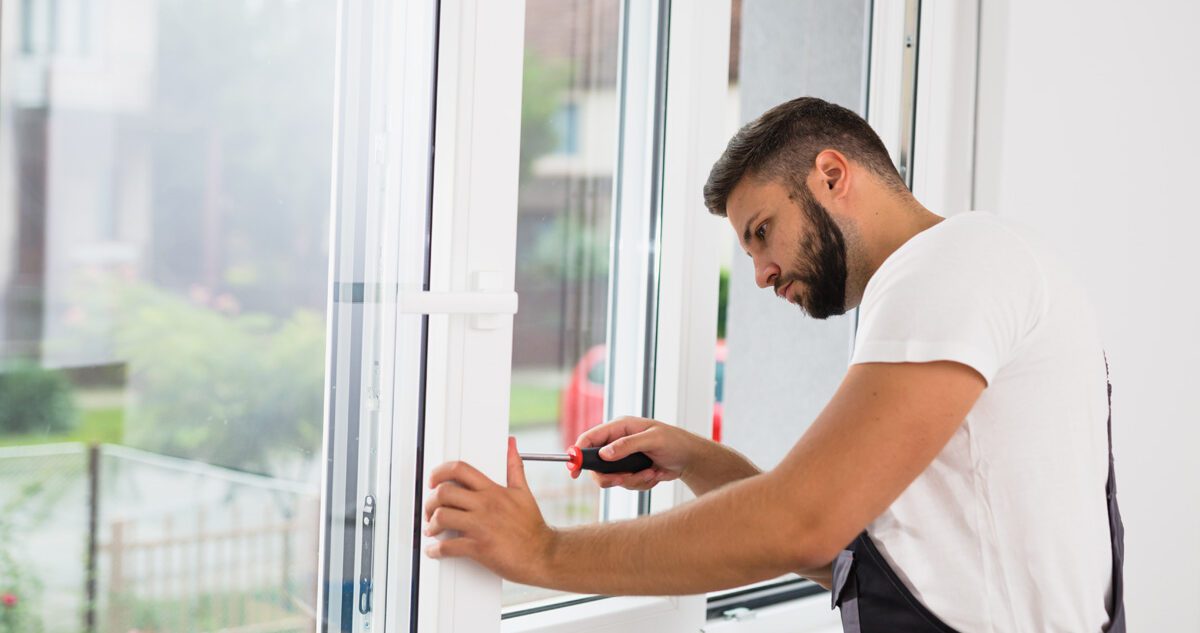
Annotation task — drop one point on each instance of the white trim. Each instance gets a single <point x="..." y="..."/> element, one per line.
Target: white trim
<point x="404" y="134"/>
<point x="633" y="207"/>
<point x="474" y="229"/>
<point x="945" y="119"/>
<point x="884" y="111"/>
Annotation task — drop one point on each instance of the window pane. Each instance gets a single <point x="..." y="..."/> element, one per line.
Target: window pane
<point x="165" y="179"/>
<point x="568" y="145"/>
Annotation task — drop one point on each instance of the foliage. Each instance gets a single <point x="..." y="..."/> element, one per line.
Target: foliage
<point x="35" y="400"/>
<point x="211" y="611"/>
<point x="571" y="249"/>
<point x="543" y="83"/>
<point x="19" y="589"/>
<point x="231" y="390"/>
<point x="722" y="302"/>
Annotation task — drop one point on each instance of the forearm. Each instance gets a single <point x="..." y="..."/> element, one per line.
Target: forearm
<point x="715" y="465"/>
<point x="748" y="535"/>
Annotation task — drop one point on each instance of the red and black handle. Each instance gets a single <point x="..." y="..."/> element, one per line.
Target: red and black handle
<point x="589" y="459"/>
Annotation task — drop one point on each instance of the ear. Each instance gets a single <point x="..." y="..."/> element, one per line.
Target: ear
<point x="832" y="174"/>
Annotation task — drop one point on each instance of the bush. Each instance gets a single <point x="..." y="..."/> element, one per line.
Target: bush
<point x="35" y="400"/>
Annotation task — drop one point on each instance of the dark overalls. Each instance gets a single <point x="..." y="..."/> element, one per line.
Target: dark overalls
<point x="872" y="597"/>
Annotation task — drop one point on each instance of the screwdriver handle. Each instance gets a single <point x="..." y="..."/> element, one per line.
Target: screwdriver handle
<point x="589" y="459"/>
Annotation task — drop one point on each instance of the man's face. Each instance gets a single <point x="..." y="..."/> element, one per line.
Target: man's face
<point x="798" y="249"/>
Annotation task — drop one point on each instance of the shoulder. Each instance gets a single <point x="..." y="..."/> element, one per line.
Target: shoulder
<point x="974" y="250"/>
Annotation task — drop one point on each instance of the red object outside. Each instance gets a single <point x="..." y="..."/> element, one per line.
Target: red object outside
<point x="582" y="405"/>
<point x="9" y="600"/>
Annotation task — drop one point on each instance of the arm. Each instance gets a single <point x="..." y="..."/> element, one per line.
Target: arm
<point x="713" y="465"/>
<point x="884" y="426"/>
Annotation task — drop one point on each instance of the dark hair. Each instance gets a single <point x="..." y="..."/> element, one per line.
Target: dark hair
<point x="784" y="143"/>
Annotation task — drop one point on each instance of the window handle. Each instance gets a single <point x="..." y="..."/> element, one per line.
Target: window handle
<point x="482" y="303"/>
<point x="487" y="301"/>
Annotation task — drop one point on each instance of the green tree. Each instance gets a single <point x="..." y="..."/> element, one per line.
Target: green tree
<point x="543" y="84"/>
<point x="236" y="390"/>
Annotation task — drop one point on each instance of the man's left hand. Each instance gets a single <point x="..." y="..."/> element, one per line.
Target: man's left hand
<point x="498" y="526"/>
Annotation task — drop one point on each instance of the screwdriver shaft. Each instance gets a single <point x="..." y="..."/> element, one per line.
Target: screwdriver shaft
<point x="545" y="457"/>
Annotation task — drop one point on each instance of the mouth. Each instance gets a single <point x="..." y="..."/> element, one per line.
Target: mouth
<point x="782" y="293"/>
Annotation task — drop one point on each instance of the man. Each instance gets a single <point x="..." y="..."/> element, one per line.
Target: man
<point x="954" y="482"/>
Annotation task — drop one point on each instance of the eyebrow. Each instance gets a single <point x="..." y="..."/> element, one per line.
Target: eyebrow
<point x="746" y="230"/>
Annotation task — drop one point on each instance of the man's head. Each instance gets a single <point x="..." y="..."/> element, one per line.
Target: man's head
<point x="799" y="185"/>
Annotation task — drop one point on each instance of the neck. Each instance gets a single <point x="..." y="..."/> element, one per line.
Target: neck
<point x="894" y="223"/>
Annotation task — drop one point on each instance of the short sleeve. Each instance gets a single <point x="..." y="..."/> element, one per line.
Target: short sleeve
<point x="970" y="293"/>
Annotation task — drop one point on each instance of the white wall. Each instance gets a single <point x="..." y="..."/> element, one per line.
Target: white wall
<point x="1088" y="127"/>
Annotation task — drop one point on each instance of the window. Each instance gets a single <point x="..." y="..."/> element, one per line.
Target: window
<point x="569" y="216"/>
<point x="245" y="309"/>
<point x="164" y="221"/>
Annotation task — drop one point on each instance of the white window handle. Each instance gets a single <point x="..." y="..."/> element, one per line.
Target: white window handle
<point x="484" y="302"/>
<point x="481" y="303"/>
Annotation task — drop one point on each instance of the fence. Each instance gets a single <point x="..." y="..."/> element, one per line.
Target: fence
<point x="133" y="541"/>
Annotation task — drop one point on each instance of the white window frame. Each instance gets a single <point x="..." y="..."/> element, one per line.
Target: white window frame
<point x="474" y="227"/>
<point x="940" y="148"/>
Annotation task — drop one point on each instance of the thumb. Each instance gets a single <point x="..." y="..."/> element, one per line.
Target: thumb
<point x="516" y="467"/>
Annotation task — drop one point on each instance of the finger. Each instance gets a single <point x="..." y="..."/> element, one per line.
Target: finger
<point x="451" y="548"/>
<point x="451" y="495"/>
<point x="516" y="467"/>
<point x="609" y="480"/>
<point x="444" y="519"/>
<point x="628" y="445"/>
<point x="609" y="431"/>
<point x="465" y="474"/>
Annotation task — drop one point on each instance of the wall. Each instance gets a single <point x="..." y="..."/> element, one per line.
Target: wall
<point x="1087" y="128"/>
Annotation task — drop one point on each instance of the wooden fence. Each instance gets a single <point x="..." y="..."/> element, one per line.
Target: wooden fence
<point x="204" y="575"/>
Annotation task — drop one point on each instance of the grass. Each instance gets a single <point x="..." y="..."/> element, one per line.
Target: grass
<point x="101" y="425"/>
<point x="532" y="404"/>
<point x="105" y="423"/>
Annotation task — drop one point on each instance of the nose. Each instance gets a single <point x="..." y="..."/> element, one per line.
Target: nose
<point x="765" y="274"/>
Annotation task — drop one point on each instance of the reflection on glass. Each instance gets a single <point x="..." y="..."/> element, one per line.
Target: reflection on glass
<point x="164" y="196"/>
<point x="568" y="145"/>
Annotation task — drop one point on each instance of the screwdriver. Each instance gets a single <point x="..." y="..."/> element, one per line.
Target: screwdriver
<point x="589" y="459"/>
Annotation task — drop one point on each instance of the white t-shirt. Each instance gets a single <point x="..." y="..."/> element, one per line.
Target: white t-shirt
<point x="1007" y="529"/>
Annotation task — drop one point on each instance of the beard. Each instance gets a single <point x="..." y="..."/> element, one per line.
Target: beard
<point x="820" y="261"/>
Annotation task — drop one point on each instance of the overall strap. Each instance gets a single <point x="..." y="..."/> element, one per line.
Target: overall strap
<point x="1115" y="526"/>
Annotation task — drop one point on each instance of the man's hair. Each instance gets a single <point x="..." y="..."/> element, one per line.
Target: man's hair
<point x="784" y="143"/>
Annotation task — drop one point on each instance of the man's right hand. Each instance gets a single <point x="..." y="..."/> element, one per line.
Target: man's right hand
<point x="670" y="448"/>
<point x="702" y="464"/>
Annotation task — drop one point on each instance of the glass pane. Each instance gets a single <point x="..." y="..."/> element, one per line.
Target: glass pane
<point x="568" y="145"/>
<point x="164" y="204"/>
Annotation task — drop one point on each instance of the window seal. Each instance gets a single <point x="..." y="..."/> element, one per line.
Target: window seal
<point x="761" y="596"/>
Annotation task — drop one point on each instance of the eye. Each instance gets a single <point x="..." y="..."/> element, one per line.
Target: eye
<point x="761" y="231"/>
